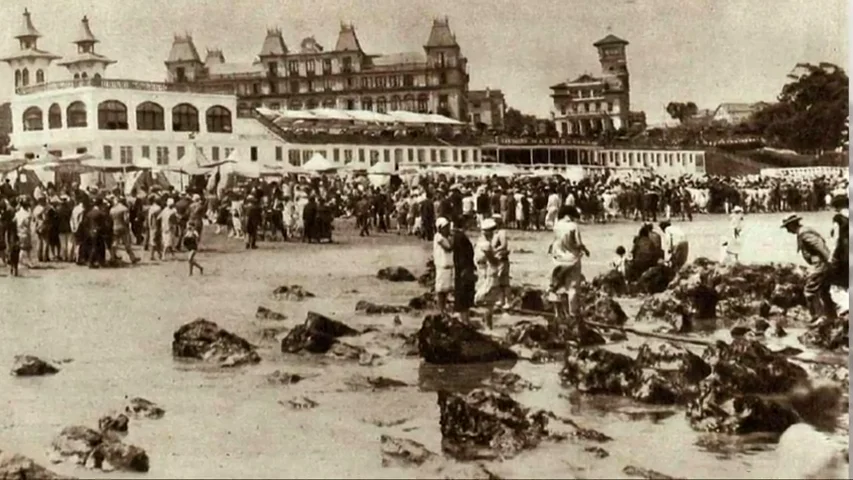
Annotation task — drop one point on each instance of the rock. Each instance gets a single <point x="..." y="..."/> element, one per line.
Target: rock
<point x="292" y="293"/>
<point x="595" y="370"/>
<point x="605" y="310"/>
<point x="402" y="452"/>
<point x="611" y="283"/>
<point x="654" y="280"/>
<point x="19" y="467"/>
<point x="425" y="301"/>
<point x="204" y="340"/>
<point x="597" y="451"/>
<point x="532" y="335"/>
<point x="665" y="307"/>
<point x="109" y="456"/>
<point x="345" y="351"/>
<point x="114" y="425"/>
<point x="752" y="368"/>
<point x="698" y="292"/>
<point x="753" y="327"/>
<point x="265" y="313"/>
<point x="832" y="334"/>
<point x="618" y="336"/>
<point x="142" y="408"/>
<point x="653" y="387"/>
<point x="299" y="403"/>
<point x="360" y="382"/>
<point x="581" y="335"/>
<point x="395" y="274"/>
<point x="787" y="296"/>
<point x="638" y="472"/>
<point x="284" y="378"/>
<point x="32" y="366"/>
<point x="510" y="382"/>
<point x="485" y="424"/>
<point x="317" y="335"/>
<point x="521" y="251"/>
<point x="583" y="433"/>
<point x="530" y="299"/>
<point x="75" y="444"/>
<point x="671" y="357"/>
<point x="271" y="334"/>
<point x="428" y="278"/>
<point x="445" y="340"/>
<point x="369" y="308"/>
<point x="397" y="321"/>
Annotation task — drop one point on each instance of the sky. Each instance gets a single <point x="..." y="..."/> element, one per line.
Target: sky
<point x="705" y="51"/>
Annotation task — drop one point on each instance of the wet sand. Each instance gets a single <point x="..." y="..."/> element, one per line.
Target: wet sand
<point x="117" y="325"/>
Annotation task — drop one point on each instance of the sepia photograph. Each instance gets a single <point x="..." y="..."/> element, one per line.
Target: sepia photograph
<point x="424" y="239"/>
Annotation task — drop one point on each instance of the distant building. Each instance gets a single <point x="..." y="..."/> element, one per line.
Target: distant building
<point x="735" y="113"/>
<point x="344" y="77"/>
<point x="588" y="104"/>
<point x="486" y="107"/>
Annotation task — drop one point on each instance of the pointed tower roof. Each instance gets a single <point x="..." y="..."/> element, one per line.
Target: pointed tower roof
<point x="84" y="33"/>
<point x="183" y="50"/>
<point x="27" y="29"/>
<point x="347" y="39"/>
<point x="214" y="57"/>
<point x="441" y="35"/>
<point x="610" y="40"/>
<point x="274" y="45"/>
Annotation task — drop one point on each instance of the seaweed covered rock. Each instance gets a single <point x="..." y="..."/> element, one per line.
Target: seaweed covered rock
<point x="611" y="282"/>
<point x="529" y="299"/>
<point x="596" y="370"/>
<point x="666" y="307"/>
<point x="654" y="280"/>
<point x="264" y="313"/>
<point x="532" y="335"/>
<point x="669" y="374"/>
<point x="604" y="309"/>
<point x="395" y="274"/>
<point x="487" y="424"/>
<point x="424" y="301"/>
<point x="737" y="397"/>
<point x="292" y="293"/>
<point x="19" y="467"/>
<point x="317" y="335"/>
<point x="831" y="334"/>
<point x="84" y="446"/>
<point x="32" y="366"/>
<point x="139" y="407"/>
<point x="402" y="452"/>
<point x="370" y="308"/>
<point x="443" y="339"/>
<point x="204" y="340"/>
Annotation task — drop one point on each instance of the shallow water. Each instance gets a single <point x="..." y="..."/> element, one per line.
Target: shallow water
<point x="117" y="327"/>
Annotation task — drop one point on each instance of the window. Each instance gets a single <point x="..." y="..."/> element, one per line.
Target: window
<point x="423" y="104"/>
<point x="336" y="155"/>
<point x="293" y="158"/>
<point x="218" y="119"/>
<point x="25" y="77"/>
<point x="108" y="152"/>
<point x="150" y="117"/>
<point x="54" y="117"/>
<point x="184" y="118"/>
<point x="17" y="78"/>
<point x="421" y="155"/>
<point x="380" y="105"/>
<point x="294" y="86"/>
<point x="380" y="82"/>
<point x="409" y="103"/>
<point x="39" y="76"/>
<point x="360" y="155"/>
<point x="374" y="157"/>
<point x="464" y="156"/>
<point x="433" y="156"/>
<point x="395" y="103"/>
<point x="327" y="66"/>
<point x="443" y="155"/>
<point x="442" y="78"/>
<point x="274" y="88"/>
<point x="275" y="106"/>
<point x="309" y="67"/>
<point x="279" y="153"/>
<point x="33" y="119"/>
<point x="82" y="150"/>
<point x="214" y="153"/>
<point x="84" y="75"/>
<point x="441" y="60"/>
<point x="609" y="106"/>
<point x="408" y="80"/>
<point x="476" y="156"/>
<point x="181" y="151"/>
<point x="253" y="154"/>
<point x="125" y="155"/>
<point x="293" y="68"/>
<point x="272" y="68"/>
<point x="146" y="152"/>
<point x="443" y="102"/>
<point x="398" y="155"/>
<point x="181" y="73"/>
<point x="350" y="104"/>
<point x="162" y="155"/>
<point x="228" y="151"/>
<point x="306" y="155"/>
<point x="455" y="155"/>
<point x="477" y="118"/>
<point x="112" y="115"/>
<point x="365" y="83"/>
<point x="367" y="103"/>
<point x="348" y="156"/>
<point x="386" y="156"/>
<point x="256" y="88"/>
<point x="346" y="67"/>
<point x="411" y="156"/>
<point x="393" y="82"/>
<point x="311" y="104"/>
<point x="350" y="83"/>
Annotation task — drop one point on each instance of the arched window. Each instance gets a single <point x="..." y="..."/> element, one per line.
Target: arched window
<point x="76" y="76"/>
<point x="39" y="76"/>
<point x="311" y="104"/>
<point x="96" y="80"/>
<point x="381" y="105"/>
<point x="184" y="118"/>
<point x="112" y="115"/>
<point x="367" y="103"/>
<point x="33" y="119"/>
<point x="423" y="104"/>
<point x="294" y="105"/>
<point x="54" y="117"/>
<point x="409" y="103"/>
<point x="25" y="77"/>
<point x="150" y="116"/>
<point x="218" y="119"/>
<point x="395" y="103"/>
<point x="97" y="76"/>
<point x="329" y="103"/>
<point x="17" y="78"/>
<point x="84" y="75"/>
<point x="75" y="115"/>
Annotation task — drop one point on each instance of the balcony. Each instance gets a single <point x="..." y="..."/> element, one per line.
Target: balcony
<point x="120" y="84"/>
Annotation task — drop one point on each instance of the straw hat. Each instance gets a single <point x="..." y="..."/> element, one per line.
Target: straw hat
<point x="791" y="219"/>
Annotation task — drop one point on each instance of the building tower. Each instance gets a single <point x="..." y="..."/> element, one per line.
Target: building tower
<point x="347" y="39"/>
<point x="614" y="70"/>
<point x="29" y="63"/>
<point x="445" y="59"/>
<point x="87" y="63"/>
<point x="272" y="54"/>
<point x="184" y="65"/>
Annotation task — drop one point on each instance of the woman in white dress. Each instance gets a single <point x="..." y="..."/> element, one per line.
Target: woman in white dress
<point x="735" y="243"/>
<point x="488" y="290"/>
<point x="442" y="257"/>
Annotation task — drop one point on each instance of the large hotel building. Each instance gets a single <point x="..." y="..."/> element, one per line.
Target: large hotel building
<point x="434" y="80"/>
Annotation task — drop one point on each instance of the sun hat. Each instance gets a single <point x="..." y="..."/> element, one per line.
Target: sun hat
<point x="441" y="222"/>
<point x="488" y="224"/>
<point x="737" y="209"/>
<point x="790" y="219"/>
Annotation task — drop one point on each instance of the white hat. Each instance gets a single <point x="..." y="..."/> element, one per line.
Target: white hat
<point x="737" y="209"/>
<point x="441" y="222"/>
<point x="170" y="202"/>
<point x="196" y="197"/>
<point x="488" y="224"/>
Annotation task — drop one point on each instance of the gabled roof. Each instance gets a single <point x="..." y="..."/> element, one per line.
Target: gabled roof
<point x="347" y="39"/>
<point x="27" y="29"/>
<point x="273" y="44"/>
<point x="405" y="58"/>
<point x="440" y="35"/>
<point x="84" y="33"/>
<point x="610" y="40"/>
<point x="183" y="50"/>
<point x="87" y="57"/>
<point x="585" y="78"/>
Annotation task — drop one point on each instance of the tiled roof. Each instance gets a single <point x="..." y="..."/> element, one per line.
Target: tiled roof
<point x="183" y="50"/>
<point x="214" y="57"/>
<point x="347" y="40"/>
<point x="405" y="58"/>
<point x="273" y="44"/>
<point x="440" y="35"/>
<point x="27" y="29"/>
<point x="610" y="40"/>
<point x="87" y="57"/>
<point x="30" y="53"/>
<point x="84" y="33"/>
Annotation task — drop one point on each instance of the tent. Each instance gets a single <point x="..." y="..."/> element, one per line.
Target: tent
<point x="24" y="181"/>
<point x="403" y="116"/>
<point x="145" y="180"/>
<point x="382" y="168"/>
<point x="144" y="164"/>
<point x="9" y="163"/>
<point x="319" y="163"/>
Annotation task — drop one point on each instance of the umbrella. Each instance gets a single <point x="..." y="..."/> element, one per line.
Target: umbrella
<point x="382" y="168"/>
<point x="319" y="163"/>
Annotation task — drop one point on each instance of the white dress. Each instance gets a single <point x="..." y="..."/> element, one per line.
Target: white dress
<point x="443" y="260"/>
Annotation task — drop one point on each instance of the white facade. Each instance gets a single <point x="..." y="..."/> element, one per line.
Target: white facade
<point x="804" y="173"/>
<point x="666" y="163"/>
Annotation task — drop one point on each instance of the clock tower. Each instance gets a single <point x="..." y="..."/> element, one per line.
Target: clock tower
<point x="614" y="72"/>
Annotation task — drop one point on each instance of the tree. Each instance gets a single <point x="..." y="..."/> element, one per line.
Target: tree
<point x="681" y="111"/>
<point x="811" y="112"/>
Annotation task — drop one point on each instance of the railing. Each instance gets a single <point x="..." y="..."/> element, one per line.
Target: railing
<point x="124" y="85"/>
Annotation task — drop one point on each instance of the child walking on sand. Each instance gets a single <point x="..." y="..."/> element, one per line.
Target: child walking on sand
<point x="191" y="244"/>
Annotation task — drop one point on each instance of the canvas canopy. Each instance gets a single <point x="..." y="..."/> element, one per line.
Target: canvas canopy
<point x="331" y="114"/>
<point x="319" y="163"/>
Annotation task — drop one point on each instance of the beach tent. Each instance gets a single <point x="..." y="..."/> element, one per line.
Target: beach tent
<point x="144" y="163"/>
<point x="145" y="180"/>
<point x="24" y="181"/>
<point x="319" y="163"/>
